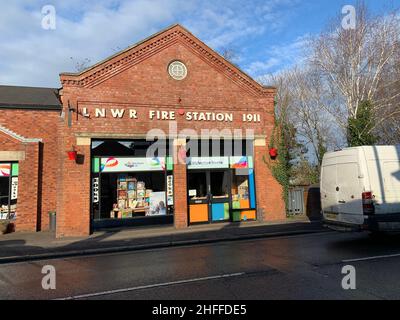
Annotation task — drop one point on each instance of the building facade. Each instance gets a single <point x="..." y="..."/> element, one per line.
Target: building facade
<point x="84" y="151"/>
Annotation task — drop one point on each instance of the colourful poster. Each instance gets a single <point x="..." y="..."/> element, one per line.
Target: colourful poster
<point x="5" y="169"/>
<point x="239" y="162"/>
<point x="132" y="164"/>
<point x="157" y="204"/>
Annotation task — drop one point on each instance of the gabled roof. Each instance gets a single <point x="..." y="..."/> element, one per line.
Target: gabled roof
<point x="132" y="55"/>
<point x="29" y="98"/>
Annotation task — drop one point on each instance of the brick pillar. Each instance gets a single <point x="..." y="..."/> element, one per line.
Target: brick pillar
<point x="270" y="203"/>
<point x="27" y="203"/>
<point x="180" y="187"/>
<point x="73" y="212"/>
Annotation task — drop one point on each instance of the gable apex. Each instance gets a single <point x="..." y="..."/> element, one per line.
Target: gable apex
<point x="140" y="51"/>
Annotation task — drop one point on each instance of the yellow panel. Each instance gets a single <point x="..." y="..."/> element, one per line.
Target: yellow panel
<point x="251" y="215"/>
<point x="198" y="213"/>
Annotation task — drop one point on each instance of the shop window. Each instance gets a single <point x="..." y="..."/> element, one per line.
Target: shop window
<point x="131" y="182"/>
<point x="8" y="190"/>
<point x="134" y="195"/>
<point x="243" y="195"/>
<point x="240" y="192"/>
<point x="219" y="184"/>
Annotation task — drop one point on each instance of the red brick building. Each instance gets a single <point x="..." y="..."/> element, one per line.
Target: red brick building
<point x="81" y="151"/>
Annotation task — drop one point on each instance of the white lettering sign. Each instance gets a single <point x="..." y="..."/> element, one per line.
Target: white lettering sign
<point x="117" y="113"/>
<point x="162" y="115"/>
<point x="100" y="113"/>
<point x="14" y="188"/>
<point x="96" y="190"/>
<point x="170" y="190"/>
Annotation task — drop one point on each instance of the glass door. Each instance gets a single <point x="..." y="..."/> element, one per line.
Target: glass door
<point x="209" y="196"/>
<point x="219" y="195"/>
<point x="198" y="194"/>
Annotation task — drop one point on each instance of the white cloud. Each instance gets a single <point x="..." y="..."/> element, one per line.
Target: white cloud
<point x="279" y="58"/>
<point x="258" y="67"/>
<point x="95" y="29"/>
<point x="31" y="55"/>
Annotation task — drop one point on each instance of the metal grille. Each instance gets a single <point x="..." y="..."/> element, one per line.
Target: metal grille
<point x="296" y="201"/>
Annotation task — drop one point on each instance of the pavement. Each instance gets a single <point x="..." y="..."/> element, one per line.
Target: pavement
<point x="19" y="247"/>
<point x="308" y="266"/>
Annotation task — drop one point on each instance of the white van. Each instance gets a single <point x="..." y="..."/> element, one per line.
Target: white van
<point x="360" y="189"/>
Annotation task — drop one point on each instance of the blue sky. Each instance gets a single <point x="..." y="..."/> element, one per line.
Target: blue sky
<point x="266" y="36"/>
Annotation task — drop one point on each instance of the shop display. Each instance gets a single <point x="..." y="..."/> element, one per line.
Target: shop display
<point x="134" y="199"/>
<point x="240" y="193"/>
<point x="6" y="213"/>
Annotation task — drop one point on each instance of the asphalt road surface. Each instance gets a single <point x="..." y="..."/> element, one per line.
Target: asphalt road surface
<point x="298" y="267"/>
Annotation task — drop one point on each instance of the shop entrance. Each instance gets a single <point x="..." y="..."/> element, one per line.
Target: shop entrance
<point x="209" y="196"/>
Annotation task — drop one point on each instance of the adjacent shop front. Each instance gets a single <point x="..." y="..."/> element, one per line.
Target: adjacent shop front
<point x="8" y="190"/>
<point x="222" y="188"/>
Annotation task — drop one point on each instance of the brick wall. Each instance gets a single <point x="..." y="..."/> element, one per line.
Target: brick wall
<point x="270" y="203"/>
<point x="28" y="206"/>
<point x="38" y="173"/>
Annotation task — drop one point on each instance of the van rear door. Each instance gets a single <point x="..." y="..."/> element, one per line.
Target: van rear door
<point x="349" y="193"/>
<point x="329" y="195"/>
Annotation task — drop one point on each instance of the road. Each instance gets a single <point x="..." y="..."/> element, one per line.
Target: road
<point x="298" y="267"/>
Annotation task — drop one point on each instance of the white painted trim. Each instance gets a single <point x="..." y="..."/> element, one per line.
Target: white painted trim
<point x="18" y="137"/>
<point x="12" y="155"/>
<point x="260" y="142"/>
<point x="82" y="141"/>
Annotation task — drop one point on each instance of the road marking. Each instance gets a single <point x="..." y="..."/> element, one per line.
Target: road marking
<point x="372" y="258"/>
<point x="166" y="284"/>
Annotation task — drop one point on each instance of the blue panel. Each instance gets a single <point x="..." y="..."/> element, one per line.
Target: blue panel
<point x="218" y="211"/>
<point x="252" y="189"/>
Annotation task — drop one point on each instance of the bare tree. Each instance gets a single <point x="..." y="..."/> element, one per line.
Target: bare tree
<point x="81" y="65"/>
<point x="228" y="53"/>
<point x="300" y="102"/>
<point x="354" y="64"/>
<point x="388" y="129"/>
